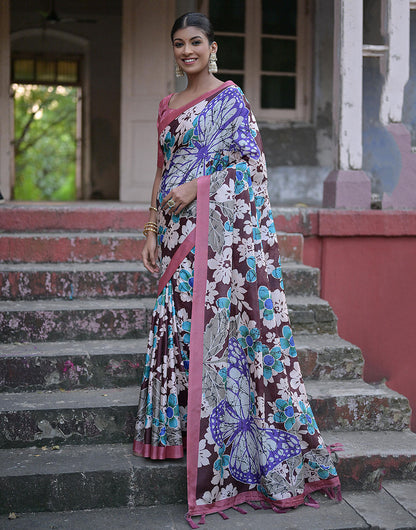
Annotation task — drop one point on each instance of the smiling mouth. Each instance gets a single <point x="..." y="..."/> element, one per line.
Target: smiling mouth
<point x="189" y="61"/>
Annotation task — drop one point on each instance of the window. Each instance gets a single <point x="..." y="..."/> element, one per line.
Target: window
<point x="263" y="47"/>
<point x="45" y="70"/>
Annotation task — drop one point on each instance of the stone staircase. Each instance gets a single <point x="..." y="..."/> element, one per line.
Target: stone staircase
<point x="75" y="308"/>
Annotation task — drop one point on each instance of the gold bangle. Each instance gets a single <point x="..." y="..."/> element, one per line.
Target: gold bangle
<point x="152" y="208"/>
<point x="147" y="230"/>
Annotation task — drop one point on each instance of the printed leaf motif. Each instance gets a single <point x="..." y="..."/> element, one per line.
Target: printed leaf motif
<point x="216" y="231"/>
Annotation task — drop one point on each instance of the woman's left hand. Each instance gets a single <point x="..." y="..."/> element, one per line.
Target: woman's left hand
<point x="181" y="196"/>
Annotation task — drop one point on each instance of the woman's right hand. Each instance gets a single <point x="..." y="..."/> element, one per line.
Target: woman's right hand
<point x="149" y="254"/>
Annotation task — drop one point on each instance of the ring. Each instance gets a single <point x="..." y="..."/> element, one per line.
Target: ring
<point x="171" y="203"/>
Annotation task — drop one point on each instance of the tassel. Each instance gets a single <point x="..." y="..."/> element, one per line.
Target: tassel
<point x="335" y="448"/>
<point x="202" y="520"/>
<point x="254" y="506"/>
<point x="265" y="505"/>
<point x="223" y="515"/>
<point x="278" y="510"/>
<point x="309" y="501"/>
<point x="338" y="493"/>
<point x="240" y="510"/>
<point x="190" y="522"/>
<point x="329" y="492"/>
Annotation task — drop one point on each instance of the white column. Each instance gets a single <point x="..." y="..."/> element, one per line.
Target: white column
<point x="395" y="62"/>
<point x="5" y="140"/>
<point x="395" y="67"/>
<point x="347" y="186"/>
<point x="147" y="76"/>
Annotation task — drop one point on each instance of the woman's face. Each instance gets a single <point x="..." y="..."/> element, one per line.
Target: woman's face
<point x="192" y="49"/>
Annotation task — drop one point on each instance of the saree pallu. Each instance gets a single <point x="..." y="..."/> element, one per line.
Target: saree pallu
<point x="222" y="378"/>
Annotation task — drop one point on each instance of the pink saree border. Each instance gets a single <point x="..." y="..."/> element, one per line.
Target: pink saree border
<point x="255" y="495"/>
<point x="157" y="453"/>
<point x="196" y="345"/>
<point x="171" y="114"/>
<point x="186" y="246"/>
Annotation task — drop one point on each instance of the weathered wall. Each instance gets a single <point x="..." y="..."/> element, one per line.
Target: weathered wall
<point x="367" y="262"/>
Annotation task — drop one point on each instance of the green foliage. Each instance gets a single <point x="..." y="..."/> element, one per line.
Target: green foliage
<point x="45" y="142"/>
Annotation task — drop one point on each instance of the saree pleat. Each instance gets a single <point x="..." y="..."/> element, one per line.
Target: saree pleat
<point x="222" y="368"/>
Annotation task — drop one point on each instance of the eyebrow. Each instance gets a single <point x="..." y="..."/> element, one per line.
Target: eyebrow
<point x="192" y="38"/>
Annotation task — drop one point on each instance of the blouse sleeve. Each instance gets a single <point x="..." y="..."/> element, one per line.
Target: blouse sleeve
<point x="163" y="107"/>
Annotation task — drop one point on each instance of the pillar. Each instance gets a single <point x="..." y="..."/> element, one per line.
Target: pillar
<point x="347" y="186"/>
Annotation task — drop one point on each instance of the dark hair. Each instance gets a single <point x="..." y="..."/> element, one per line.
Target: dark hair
<point x="198" y="20"/>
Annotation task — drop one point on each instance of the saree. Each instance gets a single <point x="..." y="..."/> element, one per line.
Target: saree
<point x="222" y="377"/>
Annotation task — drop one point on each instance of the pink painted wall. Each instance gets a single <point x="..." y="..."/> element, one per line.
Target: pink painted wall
<point x="368" y="274"/>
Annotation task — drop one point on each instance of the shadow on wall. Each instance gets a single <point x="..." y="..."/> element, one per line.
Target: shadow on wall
<point x="381" y="155"/>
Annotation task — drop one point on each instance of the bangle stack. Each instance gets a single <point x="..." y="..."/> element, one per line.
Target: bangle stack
<point x="149" y="227"/>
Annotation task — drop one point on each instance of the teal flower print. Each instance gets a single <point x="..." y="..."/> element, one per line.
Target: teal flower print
<point x="251" y="275"/>
<point x="288" y="342"/>
<point x="168" y="144"/>
<point x="307" y="418"/>
<point x="266" y="303"/>
<point x="172" y="411"/>
<point x="162" y="436"/>
<point x="187" y="283"/>
<point x="285" y="413"/>
<point x="271" y="361"/>
<point x="222" y="461"/>
<point x="190" y="137"/>
<point x="218" y="164"/>
<point x="224" y="301"/>
<point x="170" y="337"/>
<point x="242" y="175"/>
<point x="277" y="273"/>
<point x="186" y="327"/>
<point x="249" y="340"/>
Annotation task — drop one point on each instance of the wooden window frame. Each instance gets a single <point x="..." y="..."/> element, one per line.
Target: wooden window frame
<point x="252" y="63"/>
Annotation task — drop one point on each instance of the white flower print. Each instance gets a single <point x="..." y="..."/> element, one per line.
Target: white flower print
<point x="221" y="265"/>
<point x="171" y="238"/>
<point x="186" y="230"/>
<point x="280" y="306"/>
<point x="224" y="194"/>
<point x="241" y="208"/>
<point x="209" y="496"/>
<point x="296" y="376"/>
<point x="237" y="290"/>
<point x="245" y="249"/>
<point x="227" y="492"/>
<point x="203" y="458"/>
<point x="210" y="294"/>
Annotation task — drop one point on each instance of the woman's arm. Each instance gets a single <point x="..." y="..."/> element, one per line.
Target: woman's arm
<point x="149" y="254"/>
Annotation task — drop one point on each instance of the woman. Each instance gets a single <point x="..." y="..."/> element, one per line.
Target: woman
<point x="222" y="377"/>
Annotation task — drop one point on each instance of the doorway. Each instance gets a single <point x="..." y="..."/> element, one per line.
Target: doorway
<point x="47" y="142"/>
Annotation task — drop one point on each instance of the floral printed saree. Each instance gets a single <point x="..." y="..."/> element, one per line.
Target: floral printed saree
<point x="222" y="378"/>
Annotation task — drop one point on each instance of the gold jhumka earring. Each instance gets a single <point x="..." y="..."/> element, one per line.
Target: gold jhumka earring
<point x="178" y="71"/>
<point x="212" y="65"/>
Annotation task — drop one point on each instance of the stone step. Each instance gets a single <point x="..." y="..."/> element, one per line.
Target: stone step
<point x="70" y="365"/>
<point x="326" y="357"/>
<point x="70" y="281"/>
<point x="104" y="363"/>
<point x="87" y="477"/>
<point x="73" y="247"/>
<point x="394" y="506"/>
<point x="92" y="247"/>
<point x="351" y="405"/>
<point x="107" y="415"/>
<point x="52" y="320"/>
<point x="85" y="215"/>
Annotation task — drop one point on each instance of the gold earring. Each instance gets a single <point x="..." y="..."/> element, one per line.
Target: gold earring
<point x="212" y="65"/>
<point x="178" y="71"/>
